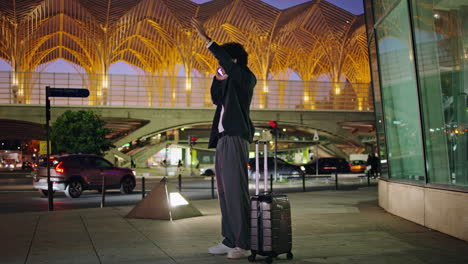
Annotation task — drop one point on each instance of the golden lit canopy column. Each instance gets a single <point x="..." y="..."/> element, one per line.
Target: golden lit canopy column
<point x="19" y="44"/>
<point x="356" y="67"/>
<point x="309" y="65"/>
<point x="187" y="52"/>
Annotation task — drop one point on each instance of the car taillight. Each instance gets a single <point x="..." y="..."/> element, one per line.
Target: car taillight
<point x="59" y="168"/>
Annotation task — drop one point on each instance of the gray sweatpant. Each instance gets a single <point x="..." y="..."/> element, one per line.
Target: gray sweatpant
<point x="232" y="156"/>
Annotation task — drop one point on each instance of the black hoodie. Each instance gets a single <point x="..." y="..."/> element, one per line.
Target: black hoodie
<point x="235" y="94"/>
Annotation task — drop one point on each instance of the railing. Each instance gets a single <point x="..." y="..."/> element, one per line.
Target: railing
<point x="155" y="91"/>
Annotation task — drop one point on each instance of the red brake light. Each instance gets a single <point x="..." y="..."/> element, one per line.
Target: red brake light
<point x="59" y="168"/>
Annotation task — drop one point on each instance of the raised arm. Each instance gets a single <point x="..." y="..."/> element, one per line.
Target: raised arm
<point x="200" y="30"/>
<point x="224" y="59"/>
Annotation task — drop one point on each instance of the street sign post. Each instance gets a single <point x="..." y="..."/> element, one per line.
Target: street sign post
<point x="68" y="92"/>
<point x="57" y="92"/>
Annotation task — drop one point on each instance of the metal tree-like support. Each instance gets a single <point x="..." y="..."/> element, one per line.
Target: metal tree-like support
<point x="314" y="39"/>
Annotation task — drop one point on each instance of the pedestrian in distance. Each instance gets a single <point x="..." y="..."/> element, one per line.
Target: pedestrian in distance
<point x="232" y="131"/>
<point x="373" y="161"/>
<point x="376" y="164"/>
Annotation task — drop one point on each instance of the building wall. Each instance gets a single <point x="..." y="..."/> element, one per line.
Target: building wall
<point x="442" y="210"/>
<point x="419" y="64"/>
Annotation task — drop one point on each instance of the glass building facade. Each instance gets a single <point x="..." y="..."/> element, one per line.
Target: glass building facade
<point x="419" y="63"/>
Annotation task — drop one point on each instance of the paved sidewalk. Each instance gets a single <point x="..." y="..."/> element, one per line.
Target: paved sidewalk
<point x="328" y="227"/>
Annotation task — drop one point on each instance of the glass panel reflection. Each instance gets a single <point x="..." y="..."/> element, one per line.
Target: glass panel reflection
<point x="399" y="96"/>
<point x="441" y="43"/>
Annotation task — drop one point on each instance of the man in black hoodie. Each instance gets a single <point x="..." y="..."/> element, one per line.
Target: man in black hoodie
<point x="231" y="132"/>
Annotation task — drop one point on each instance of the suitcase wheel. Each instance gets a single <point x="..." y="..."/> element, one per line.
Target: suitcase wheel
<point x="269" y="260"/>
<point x="289" y="255"/>
<point x="251" y="258"/>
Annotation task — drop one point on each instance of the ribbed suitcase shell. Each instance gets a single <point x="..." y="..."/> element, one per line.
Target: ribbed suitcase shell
<point x="270" y="224"/>
<point x="270" y="221"/>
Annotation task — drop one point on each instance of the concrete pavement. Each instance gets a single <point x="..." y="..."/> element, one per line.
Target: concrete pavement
<point x="328" y="227"/>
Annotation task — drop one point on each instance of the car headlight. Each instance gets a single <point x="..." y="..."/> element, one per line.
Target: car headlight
<point x="303" y="168"/>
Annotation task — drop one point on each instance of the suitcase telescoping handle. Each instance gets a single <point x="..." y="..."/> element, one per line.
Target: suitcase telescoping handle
<point x="257" y="167"/>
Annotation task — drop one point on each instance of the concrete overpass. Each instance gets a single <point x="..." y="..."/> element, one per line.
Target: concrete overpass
<point x="158" y="120"/>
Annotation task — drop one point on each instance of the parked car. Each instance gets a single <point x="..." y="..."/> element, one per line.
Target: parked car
<point x="358" y="166"/>
<point x="27" y="166"/>
<point x="207" y="171"/>
<point x="327" y="165"/>
<point x="72" y="174"/>
<point x="283" y="168"/>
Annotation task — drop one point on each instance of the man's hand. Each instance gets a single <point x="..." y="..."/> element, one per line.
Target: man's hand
<point x="200" y="30"/>
<point x="219" y="76"/>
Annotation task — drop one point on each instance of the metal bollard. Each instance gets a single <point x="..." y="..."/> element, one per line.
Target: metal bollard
<point x="303" y="182"/>
<point x="271" y="182"/>
<point x="143" y="190"/>
<point x="180" y="182"/>
<point x="212" y="187"/>
<point x="103" y="198"/>
<point x="336" y="179"/>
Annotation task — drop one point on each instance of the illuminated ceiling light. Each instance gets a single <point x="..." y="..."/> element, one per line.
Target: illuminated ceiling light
<point x="182" y="129"/>
<point x="176" y="199"/>
<point x="265" y="87"/>
<point x="105" y="82"/>
<point x="188" y="84"/>
<point x="337" y="87"/>
<point x="257" y="134"/>
<point x="436" y="16"/>
<point x="284" y="129"/>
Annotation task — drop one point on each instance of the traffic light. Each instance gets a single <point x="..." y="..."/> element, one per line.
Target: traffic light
<point x="273" y="127"/>
<point x="193" y="140"/>
<point x="273" y="124"/>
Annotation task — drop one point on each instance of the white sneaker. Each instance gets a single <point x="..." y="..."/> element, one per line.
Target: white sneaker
<point x="219" y="249"/>
<point x="237" y="253"/>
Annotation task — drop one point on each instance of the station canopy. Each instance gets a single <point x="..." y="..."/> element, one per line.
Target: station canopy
<point x="155" y="37"/>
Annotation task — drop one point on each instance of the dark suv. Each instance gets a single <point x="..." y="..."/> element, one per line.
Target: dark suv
<point x="327" y="165"/>
<point x="283" y="168"/>
<point x="73" y="174"/>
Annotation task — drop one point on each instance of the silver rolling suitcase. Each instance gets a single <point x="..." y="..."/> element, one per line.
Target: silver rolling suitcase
<point x="270" y="219"/>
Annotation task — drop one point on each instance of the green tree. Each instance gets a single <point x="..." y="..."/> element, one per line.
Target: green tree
<point x="80" y="132"/>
